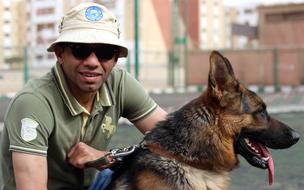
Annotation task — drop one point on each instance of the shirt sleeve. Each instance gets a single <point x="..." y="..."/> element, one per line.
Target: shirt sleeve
<point x="137" y="103"/>
<point x="29" y="124"/>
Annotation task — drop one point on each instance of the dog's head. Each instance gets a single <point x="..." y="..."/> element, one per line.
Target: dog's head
<point x="243" y="116"/>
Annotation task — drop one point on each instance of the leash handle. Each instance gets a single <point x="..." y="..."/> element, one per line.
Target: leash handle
<point x="101" y="163"/>
<point x="115" y="155"/>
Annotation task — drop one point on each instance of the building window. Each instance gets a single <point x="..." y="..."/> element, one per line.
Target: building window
<point x="216" y="11"/>
<point x="50" y="56"/>
<point x="46" y="11"/>
<point x="39" y="57"/>
<point x="41" y="27"/>
<point x="280" y="17"/>
<point x="203" y="22"/>
<point x="204" y="9"/>
<point x="248" y="11"/>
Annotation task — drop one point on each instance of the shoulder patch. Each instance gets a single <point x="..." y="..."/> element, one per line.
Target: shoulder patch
<point x="28" y="129"/>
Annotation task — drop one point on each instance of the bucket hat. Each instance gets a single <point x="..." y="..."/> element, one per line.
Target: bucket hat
<point x="90" y="23"/>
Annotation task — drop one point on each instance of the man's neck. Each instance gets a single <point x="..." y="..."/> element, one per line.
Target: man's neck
<point x="86" y="100"/>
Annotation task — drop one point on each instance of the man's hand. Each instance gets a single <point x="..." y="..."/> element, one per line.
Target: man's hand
<point x="81" y="154"/>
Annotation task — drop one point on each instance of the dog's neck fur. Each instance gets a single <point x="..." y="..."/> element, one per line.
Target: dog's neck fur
<point x="172" y="138"/>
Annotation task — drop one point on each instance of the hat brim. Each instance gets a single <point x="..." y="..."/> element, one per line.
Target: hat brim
<point x="90" y="36"/>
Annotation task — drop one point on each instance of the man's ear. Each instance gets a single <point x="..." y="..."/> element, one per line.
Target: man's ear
<point x="116" y="56"/>
<point x="58" y="52"/>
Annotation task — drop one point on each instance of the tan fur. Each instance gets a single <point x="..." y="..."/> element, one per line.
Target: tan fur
<point x="147" y="180"/>
<point x="206" y="180"/>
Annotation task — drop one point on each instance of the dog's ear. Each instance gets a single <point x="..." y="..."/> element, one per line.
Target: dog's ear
<point x="221" y="76"/>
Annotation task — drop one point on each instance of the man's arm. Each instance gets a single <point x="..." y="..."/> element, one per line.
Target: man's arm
<point x="81" y="153"/>
<point x="149" y="122"/>
<point x="30" y="171"/>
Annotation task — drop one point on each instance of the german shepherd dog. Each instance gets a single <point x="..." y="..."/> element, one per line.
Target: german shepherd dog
<point x="197" y="146"/>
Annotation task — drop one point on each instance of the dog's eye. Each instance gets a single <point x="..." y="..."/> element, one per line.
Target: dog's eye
<point x="261" y="113"/>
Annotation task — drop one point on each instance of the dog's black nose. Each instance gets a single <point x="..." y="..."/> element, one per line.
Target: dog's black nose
<point x="295" y="136"/>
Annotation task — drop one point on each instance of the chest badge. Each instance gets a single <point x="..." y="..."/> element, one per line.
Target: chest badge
<point x="107" y="127"/>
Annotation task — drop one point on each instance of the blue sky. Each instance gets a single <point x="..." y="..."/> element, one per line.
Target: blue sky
<point x="266" y="2"/>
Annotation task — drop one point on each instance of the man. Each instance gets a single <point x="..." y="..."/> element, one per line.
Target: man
<point x="58" y="123"/>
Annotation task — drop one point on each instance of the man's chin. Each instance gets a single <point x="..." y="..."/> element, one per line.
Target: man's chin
<point x="90" y="88"/>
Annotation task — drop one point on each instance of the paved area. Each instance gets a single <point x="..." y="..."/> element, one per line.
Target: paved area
<point x="276" y="102"/>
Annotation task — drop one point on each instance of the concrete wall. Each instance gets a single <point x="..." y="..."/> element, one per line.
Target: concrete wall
<point x="253" y="67"/>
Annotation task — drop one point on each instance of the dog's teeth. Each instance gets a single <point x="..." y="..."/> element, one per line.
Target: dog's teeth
<point x="254" y="149"/>
<point x="247" y="141"/>
<point x="266" y="158"/>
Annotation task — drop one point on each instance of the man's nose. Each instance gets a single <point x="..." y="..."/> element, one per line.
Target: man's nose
<point x="92" y="60"/>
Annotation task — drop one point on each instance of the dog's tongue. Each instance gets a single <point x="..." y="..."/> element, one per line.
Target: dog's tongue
<point x="265" y="153"/>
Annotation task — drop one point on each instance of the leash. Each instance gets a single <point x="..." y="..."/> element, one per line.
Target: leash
<point x="115" y="156"/>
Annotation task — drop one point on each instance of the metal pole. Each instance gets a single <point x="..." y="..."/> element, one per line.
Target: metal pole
<point x="175" y="37"/>
<point x="276" y="70"/>
<point x="186" y="43"/>
<point x="129" y="64"/>
<point x="136" y="39"/>
<point x="25" y="66"/>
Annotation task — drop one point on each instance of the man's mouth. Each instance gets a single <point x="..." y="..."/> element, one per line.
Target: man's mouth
<point x="90" y="76"/>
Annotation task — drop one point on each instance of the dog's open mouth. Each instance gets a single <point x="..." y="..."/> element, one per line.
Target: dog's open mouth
<point x="257" y="155"/>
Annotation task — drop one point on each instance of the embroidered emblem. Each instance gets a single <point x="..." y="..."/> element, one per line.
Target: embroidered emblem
<point x="94" y="13"/>
<point x="107" y="127"/>
<point x="28" y="129"/>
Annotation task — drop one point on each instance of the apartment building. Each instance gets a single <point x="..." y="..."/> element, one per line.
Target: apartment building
<point x="212" y="27"/>
<point x="241" y="27"/>
<point x="1" y="36"/>
<point x="12" y="35"/>
<point x="44" y="17"/>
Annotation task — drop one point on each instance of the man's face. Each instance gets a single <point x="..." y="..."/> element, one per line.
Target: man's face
<point x="86" y="67"/>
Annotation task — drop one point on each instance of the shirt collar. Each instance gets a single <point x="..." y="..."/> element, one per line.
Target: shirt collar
<point x="104" y="97"/>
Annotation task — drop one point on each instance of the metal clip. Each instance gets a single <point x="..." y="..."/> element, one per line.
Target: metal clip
<point x="122" y="152"/>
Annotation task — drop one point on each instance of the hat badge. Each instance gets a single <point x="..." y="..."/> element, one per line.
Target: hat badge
<point x="94" y="13"/>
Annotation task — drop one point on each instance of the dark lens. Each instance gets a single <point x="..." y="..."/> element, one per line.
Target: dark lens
<point x="80" y="51"/>
<point x="105" y="53"/>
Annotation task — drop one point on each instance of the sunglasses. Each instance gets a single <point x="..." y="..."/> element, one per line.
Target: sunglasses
<point x="103" y="52"/>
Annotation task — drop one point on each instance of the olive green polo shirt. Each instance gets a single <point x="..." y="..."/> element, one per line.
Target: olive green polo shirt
<point x="45" y="119"/>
